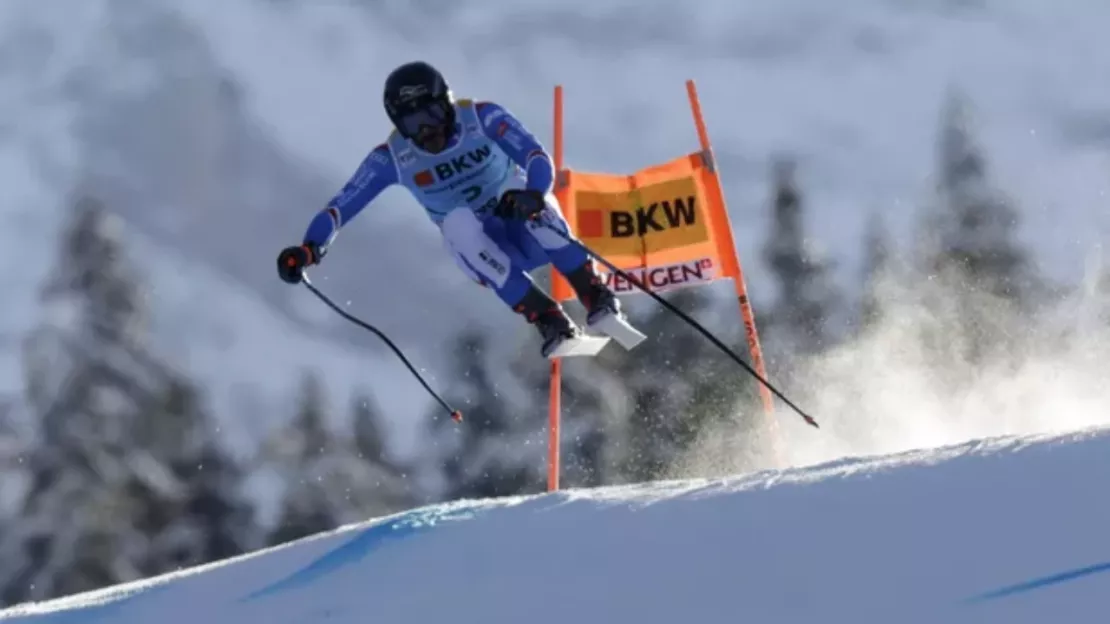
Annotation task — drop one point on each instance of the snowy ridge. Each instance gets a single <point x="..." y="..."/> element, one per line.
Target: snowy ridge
<point x="1004" y="529"/>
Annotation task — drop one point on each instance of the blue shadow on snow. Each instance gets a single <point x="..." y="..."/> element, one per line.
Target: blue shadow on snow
<point x="1042" y="582"/>
<point x="362" y="544"/>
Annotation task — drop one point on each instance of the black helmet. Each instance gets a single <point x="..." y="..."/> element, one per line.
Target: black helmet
<point x="420" y="104"/>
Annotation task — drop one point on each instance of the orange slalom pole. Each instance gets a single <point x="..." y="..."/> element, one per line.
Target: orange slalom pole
<point x="554" y="405"/>
<point x="732" y="260"/>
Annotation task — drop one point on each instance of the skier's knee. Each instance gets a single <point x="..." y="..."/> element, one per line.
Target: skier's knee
<point x="460" y="224"/>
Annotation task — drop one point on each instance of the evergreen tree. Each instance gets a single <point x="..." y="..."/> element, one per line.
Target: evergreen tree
<point x="94" y="265"/>
<point x="592" y="417"/>
<point x="626" y="416"/>
<point x="299" y="448"/>
<point x="13" y="478"/>
<point x="876" y="272"/>
<point x="1097" y="289"/>
<point x="976" y="237"/>
<point x="682" y="388"/>
<point x="202" y="514"/>
<point x="12" y="447"/>
<point x="77" y="532"/>
<point x="111" y="419"/>
<point x="390" y="481"/>
<point x="807" y="297"/>
<point x="982" y="281"/>
<point x="369" y="438"/>
<point x="333" y="480"/>
<point x="494" y="451"/>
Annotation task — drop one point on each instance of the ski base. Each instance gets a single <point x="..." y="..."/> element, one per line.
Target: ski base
<point x="618" y="328"/>
<point x="583" y="345"/>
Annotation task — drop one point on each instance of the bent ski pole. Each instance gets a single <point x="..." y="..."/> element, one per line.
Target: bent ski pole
<point x="689" y="320"/>
<point x="456" y="415"/>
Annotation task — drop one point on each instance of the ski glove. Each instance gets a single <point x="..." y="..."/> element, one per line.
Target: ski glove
<point x="292" y="261"/>
<point x="520" y="204"/>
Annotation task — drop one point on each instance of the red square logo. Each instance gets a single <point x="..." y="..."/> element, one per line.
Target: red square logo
<point x="591" y="224"/>
<point x="424" y="178"/>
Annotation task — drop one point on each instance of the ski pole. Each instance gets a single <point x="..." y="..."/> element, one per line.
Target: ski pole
<point x="456" y="415"/>
<point x="693" y="323"/>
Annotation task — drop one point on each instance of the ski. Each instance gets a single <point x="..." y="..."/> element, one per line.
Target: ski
<point x="582" y="345"/>
<point x="619" y="329"/>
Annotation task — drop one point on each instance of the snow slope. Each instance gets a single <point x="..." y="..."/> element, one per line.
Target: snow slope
<point x="252" y="112"/>
<point x="1000" y="530"/>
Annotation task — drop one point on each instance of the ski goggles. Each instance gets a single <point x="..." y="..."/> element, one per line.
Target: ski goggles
<point x="435" y="115"/>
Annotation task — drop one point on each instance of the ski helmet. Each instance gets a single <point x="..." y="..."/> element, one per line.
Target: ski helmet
<point x="420" y="104"/>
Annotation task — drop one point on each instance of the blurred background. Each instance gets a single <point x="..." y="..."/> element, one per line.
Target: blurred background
<point x="918" y="191"/>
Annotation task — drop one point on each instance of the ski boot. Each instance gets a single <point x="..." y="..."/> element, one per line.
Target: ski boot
<point x="603" y="309"/>
<point x="548" y="317"/>
<point x="598" y="299"/>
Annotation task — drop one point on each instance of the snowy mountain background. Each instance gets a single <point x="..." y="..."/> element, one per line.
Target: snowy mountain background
<point x="216" y="129"/>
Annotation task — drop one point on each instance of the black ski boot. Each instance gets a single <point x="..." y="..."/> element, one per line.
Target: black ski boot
<point x="548" y="317"/>
<point x="599" y="299"/>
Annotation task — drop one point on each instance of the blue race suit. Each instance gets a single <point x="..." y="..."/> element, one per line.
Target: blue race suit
<point x="458" y="188"/>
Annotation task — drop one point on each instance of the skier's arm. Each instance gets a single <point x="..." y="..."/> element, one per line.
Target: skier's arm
<point x="520" y="144"/>
<point x="376" y="173"/>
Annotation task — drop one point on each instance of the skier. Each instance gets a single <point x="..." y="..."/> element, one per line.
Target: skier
<point x="486" y="181"/>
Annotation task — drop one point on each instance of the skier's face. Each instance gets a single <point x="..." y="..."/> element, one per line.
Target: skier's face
<point x="432" y="139"/>
<point x="429" y="127"/>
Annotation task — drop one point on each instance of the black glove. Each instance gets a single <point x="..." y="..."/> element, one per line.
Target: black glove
<point x="292" y="261"/>
<point x="520" y="204"/>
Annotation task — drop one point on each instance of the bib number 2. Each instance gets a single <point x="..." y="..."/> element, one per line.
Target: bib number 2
<point x="471" y="193"/>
